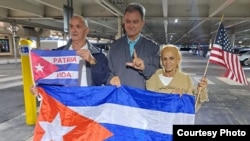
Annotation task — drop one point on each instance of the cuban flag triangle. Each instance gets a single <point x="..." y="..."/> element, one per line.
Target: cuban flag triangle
<point x="108" y="113"/>
<point x="57" y="67"/>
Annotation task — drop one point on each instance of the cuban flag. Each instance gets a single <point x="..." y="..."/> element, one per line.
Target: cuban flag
<point x="57" y="67"/>
<point x="108" y="113"/>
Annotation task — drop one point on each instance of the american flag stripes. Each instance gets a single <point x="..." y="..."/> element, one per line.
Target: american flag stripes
<point x="222" y="53"/>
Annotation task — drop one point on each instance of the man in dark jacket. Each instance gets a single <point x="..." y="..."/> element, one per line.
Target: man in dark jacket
<point x="94" y="69"/>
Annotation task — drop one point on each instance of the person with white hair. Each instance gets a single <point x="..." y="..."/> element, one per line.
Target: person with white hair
<point x="170" y="79"/>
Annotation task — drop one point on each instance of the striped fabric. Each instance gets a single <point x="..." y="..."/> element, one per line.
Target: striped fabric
<point x="222" y="53"/>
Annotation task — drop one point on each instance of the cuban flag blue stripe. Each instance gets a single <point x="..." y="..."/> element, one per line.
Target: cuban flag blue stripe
<point x="155" y="98"/>
<point x="61" y="82"/>
<point x="124" y="96"/>
<point x="52" y="53"/>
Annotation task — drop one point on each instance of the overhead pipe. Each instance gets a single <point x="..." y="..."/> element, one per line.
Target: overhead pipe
<point x="111" y="8"/>
<point x="221" y="7"/>
<point x="165" y="14"/>
<point x="107" y="5"/>
<point x="98" y="23"/>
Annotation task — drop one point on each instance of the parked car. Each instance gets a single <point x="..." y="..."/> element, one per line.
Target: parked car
<point x="237" y="50"/>
<point x="244" y="55"/>
<point x="103" y="46"/>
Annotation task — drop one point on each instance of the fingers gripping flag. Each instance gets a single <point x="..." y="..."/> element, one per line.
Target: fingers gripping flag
<point x="108" y="113"/>
<point x="59" y="67"/>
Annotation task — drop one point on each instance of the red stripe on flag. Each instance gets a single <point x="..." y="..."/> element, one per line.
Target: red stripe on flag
<point x="235" y="71"/>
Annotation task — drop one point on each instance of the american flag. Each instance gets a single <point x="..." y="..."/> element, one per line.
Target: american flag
<point x="222" y="53"/>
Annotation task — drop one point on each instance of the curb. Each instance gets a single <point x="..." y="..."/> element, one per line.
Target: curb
<point x="9" y="61"/>
<point x="13" y="125"/>
<point x="30" y="139"/>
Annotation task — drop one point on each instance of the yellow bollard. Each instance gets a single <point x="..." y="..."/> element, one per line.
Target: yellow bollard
<point x="29" y="99"/>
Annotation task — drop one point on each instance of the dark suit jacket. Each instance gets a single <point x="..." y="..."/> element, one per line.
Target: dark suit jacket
<point x="119" y="55"/>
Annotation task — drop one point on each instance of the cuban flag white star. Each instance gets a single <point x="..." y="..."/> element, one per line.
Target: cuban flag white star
<point x="54" y="130"/>
<point x="39" y="68"/>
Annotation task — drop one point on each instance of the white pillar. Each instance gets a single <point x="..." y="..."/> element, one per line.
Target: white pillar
<point x="210" y="43"/>
<point x="14" y="45"/>
<point x="233" y="40"/>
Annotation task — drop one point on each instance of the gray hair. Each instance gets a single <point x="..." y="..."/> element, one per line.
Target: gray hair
<point x="136" y="7"/>
<point x="81" y="17"/>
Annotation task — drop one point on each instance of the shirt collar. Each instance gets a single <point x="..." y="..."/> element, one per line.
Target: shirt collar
<point x="84" y="47"/>
<point x="129" y="41"/>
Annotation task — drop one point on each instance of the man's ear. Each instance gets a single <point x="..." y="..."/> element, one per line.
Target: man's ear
<point x="87" y="31"/>
<point x="143" y="22"/>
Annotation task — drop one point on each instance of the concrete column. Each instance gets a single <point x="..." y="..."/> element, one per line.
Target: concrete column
<point x="210" y="43"/>
<point x="38" y="33"/>
<point x="38" y="43"/>
<point x="233" y="40"/>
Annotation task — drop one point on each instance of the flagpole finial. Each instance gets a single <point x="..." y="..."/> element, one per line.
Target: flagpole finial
<point x="221" y="18"/>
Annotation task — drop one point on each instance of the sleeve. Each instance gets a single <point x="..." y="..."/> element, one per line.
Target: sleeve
<point x="110" y="67"/>
<point x="150" y="85"/>
<point x="154" y="64"/>
<point x="191" y="86"/>
<point x="100" y="71"/>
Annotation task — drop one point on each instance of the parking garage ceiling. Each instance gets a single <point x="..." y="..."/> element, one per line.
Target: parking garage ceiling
<point x="197" y="19"/>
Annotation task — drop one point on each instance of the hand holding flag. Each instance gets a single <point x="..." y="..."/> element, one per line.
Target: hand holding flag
<point x="86" y="55"/>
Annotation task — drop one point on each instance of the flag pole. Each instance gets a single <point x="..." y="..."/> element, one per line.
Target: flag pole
<point x="205" y="72"/>
<point x="39" y="98"/>
<point x="31" y="69"/>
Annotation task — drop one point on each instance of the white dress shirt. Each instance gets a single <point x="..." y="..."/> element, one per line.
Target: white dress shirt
<point x="84" y="74"/>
